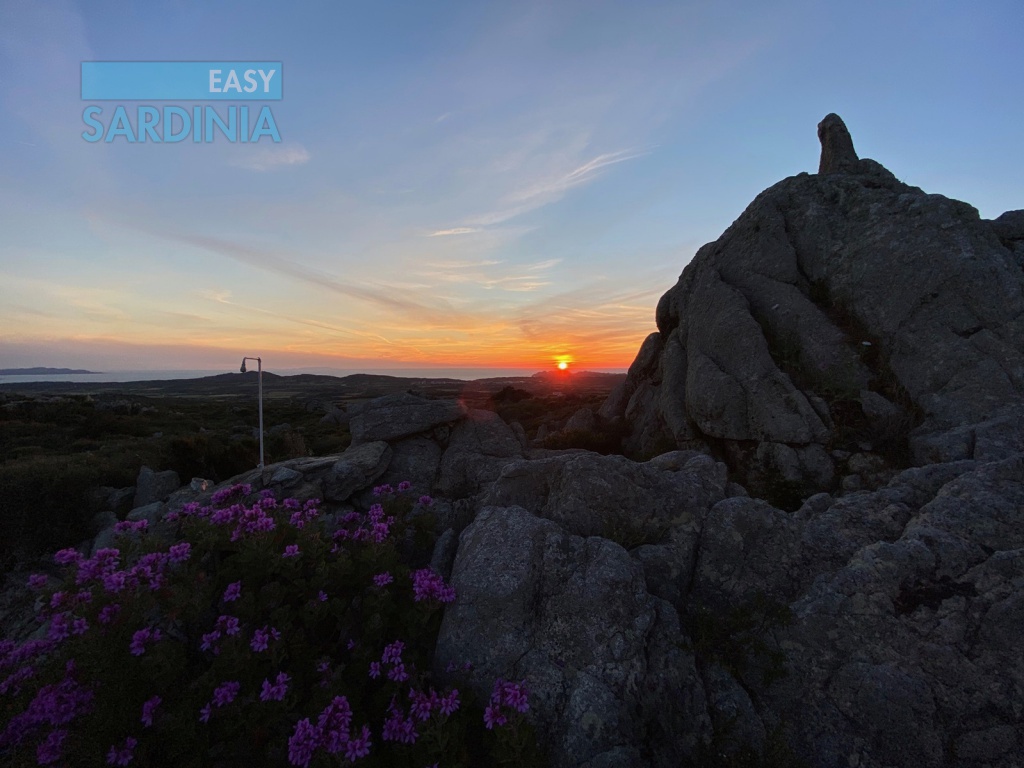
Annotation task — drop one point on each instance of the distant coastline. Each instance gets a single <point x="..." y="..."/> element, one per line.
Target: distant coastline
<point x="44" y="371"/>
<point x="59" y="376"/>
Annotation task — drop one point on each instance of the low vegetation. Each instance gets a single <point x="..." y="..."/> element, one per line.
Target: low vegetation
<point x="257" y="632"/>
<point x="55" y="450"/>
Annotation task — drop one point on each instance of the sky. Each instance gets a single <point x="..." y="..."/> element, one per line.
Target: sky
<point x="458" y="184"/>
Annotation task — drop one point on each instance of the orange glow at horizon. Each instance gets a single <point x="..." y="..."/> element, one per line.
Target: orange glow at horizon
<point x="562" y="362"/>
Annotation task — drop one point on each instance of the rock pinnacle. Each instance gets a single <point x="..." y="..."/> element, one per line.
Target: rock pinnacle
<point x="837" y="152"/>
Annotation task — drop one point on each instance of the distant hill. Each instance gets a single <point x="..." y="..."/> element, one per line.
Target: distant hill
<point x="39" y="371"/>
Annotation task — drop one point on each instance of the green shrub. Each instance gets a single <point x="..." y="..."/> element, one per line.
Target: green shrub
<point x="43" y="497"/>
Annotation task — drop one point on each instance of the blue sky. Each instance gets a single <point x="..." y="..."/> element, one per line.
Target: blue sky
<point x="458" y="184"/>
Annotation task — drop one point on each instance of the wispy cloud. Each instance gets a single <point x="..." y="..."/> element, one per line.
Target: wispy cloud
<point x="453" y="231"/>
<point x="554" y="188"/>
<point x="467" y="264"/>
<point x="223" y="297"/>
<point x="269" y="158"/>
<point x="550" y="186"/>
<point x="542" y="265"/>
<point x="428" y="311"/>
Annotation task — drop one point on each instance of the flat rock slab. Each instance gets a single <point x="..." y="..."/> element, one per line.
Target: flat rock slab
<point x="396" y="416"/>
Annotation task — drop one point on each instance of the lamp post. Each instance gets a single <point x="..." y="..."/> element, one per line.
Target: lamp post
<point x="259" y="369"/>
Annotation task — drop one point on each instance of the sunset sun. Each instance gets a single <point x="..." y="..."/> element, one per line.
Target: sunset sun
<point x="563" y="365"/>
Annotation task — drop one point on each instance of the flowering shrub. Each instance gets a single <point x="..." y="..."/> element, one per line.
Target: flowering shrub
<point x="266" y="634"/>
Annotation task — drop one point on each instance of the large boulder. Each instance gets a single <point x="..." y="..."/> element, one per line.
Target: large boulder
<point x="610" y="683"/>
<point x="611" y="496"/>
<point x="414" y="460"/>
<point x="908" y="654"/>
<point x="154" y="486"/>
<point x="479" y="447"/>
<point x="841" y="310"/>
<point x="396" y="416"/>
<point x="356" y="469"/>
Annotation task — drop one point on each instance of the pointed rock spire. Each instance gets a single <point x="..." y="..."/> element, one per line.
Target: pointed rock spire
<point x="837" y="152"/>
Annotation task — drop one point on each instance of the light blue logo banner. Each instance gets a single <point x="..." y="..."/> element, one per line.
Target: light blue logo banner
<point x="182" y="80"/>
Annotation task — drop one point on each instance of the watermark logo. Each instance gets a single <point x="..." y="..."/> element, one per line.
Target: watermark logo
<point x="181" y="81"/>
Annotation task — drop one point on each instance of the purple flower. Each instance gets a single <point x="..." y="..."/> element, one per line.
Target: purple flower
<point x="426" y="501"/>
<point x="393" y="652"/>
<point x="108" y="613"/>
<point x="374" y="669"/>
<point x="277" y="691"/>
<point x="179" y="553"/>
<point x="261" y="638"/>
<point x="493" y="717"/>
<point x="238" y="489"/>
<point x="114" y="582"/>
<point x="398" y="727"/>
<point x="404" y="486"/>
<point x="37" y="581"/>
<point x="450" y="703"/>
<point x="148" y="709"/>
<point x="209" y="642"/>
<point x="59" y="628"/>
<point x="423" y="703"/>
<point x="205" y="712"/>
<point x="321" y="596"/>
<point x="50" y="751"/>
<point x="13" y="683"/>
<point x="228" y="625"/>
<point x="140" y="638"/>
<point x="515" y="696"/>
<point x="303" y="742"/>
<point x="398" y="673"/>
<point x="428" y="585"/>
<point x="68" y="556"/>
<point x="225" y="693"/>
<point x="333" y="725"/>
<point x="383" y="579"/>
<point x="359" y="746"/>
<point x="79" y="626"/>
<point x="127" y="526"/>
<point x="292" y="550"/>
<point x="508" y="695"/>
<point x="233" y="592"/>
<point x="56" y="705"/>
<point x="124" y="754"/>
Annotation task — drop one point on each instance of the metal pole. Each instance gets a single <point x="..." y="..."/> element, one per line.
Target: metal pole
<point x="259" y="369"/>
<point x="259" y="374"/>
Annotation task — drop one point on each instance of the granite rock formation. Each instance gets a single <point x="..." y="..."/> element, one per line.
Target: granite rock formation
<point x="843" y="311"/>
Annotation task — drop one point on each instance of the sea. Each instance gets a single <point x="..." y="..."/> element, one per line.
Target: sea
<point x="464" y="374"/>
